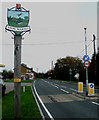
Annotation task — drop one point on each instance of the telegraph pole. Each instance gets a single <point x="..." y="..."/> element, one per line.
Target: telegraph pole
<point x="94" y="38"/>
<point x="85" y="28"/>
<point x="17" y="76"/>
<point x="52" y="67"/>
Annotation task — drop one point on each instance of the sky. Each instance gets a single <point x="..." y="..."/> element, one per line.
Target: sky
<point x="57" y="31"/>
<point x="15" y="14"/>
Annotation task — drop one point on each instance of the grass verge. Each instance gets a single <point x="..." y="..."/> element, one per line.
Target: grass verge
<point x="29" y="109"/>
<point x="23" y="81"/>
<point x="66" y="81"/>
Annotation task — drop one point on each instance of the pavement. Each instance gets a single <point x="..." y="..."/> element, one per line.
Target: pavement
<point x="84" y="96"/>
<point x="10" y="86"/>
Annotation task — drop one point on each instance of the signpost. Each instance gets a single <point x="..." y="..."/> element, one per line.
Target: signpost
<point x="70" y="73"/>
<point x="85" y="28"/>
<point x="18" y="19"/>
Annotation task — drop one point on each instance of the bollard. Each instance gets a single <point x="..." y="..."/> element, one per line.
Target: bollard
<point x="80" y="87"/>
<point x="91" y="89"/>
<point x="23" y="88"/>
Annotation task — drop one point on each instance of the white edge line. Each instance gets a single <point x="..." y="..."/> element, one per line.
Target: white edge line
<point x="64" y="90"/>
<point x="43" y="104"/>
<point x="38" y="105"/>
<point x="95" y="103"/>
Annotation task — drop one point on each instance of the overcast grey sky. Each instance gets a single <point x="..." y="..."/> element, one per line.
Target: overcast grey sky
<point x="57" y="31"/>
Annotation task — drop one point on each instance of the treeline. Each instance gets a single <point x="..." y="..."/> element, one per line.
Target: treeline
<point x="7" y="74"/>
<point x="64" y="67"/>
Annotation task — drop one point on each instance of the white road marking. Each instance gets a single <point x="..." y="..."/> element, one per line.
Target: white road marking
<point x="50" y="116"/>
<point x="50" y="84"/>
<point x="63" y="86"/>
<point x="95" y="103"/>
<point x="64" y="90"/>
<point x="73" y="89"/>
<point x="45" y="81"/>
<point x="38" y="105"/>
<point x="55" y="86"/>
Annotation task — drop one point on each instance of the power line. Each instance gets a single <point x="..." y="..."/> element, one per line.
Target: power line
<point x="55" y="43"/>
<point x="87" y="46"/>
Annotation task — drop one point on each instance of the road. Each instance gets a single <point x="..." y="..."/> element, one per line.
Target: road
<point x="59" y="100"/>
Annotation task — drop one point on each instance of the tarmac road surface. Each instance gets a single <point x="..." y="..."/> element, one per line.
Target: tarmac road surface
<point x="59" y="100"/>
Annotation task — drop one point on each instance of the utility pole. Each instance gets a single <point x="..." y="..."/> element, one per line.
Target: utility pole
<point x="94" y="38"/>
<point x="37" y="70"/>
<point x="85" y="28"/>
<point x="17" y="76"/>
<point x="52" y="67"/>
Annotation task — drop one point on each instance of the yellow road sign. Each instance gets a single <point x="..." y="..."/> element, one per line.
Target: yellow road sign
<point x="2" y="65"/>
<point x="17" y="80"/>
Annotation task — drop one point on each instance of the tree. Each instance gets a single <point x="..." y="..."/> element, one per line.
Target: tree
<point x="63" y="65"/>
<point x="7" y="74"/>
<point x="93" y="77"/>
<point x="97" y="67"/>
<point x="10" y="74"/>
<point x="4" y="74"/>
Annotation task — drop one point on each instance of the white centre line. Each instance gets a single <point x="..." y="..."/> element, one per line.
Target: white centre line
<point x="95" y="103"/>
<point x="56" y="86"/>
<point x="64" y="90"/>
<point x="63" y="86"/>
<point x="52" y="84"/>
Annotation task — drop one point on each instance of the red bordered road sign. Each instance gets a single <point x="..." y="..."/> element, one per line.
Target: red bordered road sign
<point x="86" y="63"/>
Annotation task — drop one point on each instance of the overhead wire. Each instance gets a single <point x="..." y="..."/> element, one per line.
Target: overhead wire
<point x="57" y="43"/>
<point x="53" y="43"/>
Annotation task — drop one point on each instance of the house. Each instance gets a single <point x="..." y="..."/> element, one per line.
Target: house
<point x="26" y="72"/>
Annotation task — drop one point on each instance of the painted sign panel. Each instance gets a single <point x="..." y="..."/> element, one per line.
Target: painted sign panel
<point x="86" y="57"/>
<point x="86" y="63"/>
<point x="17" y="20"/>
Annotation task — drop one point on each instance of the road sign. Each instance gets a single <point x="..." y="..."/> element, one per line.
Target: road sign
<point x="86" y="57"/>
<point x="2" y="65"/>
<point x="91" y="86"/>
<point x="90" y="89"/>
<point x="70" y="71"/>
<point x="86" y="63"/>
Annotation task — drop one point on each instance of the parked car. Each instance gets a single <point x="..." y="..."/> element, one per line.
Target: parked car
<point x="2" y="87"/>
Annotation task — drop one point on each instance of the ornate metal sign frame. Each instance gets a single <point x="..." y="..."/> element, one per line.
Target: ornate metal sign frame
<point x="19" y="19"/>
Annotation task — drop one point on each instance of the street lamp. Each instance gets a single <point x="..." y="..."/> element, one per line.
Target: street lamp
<point x="85" y="28"/>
